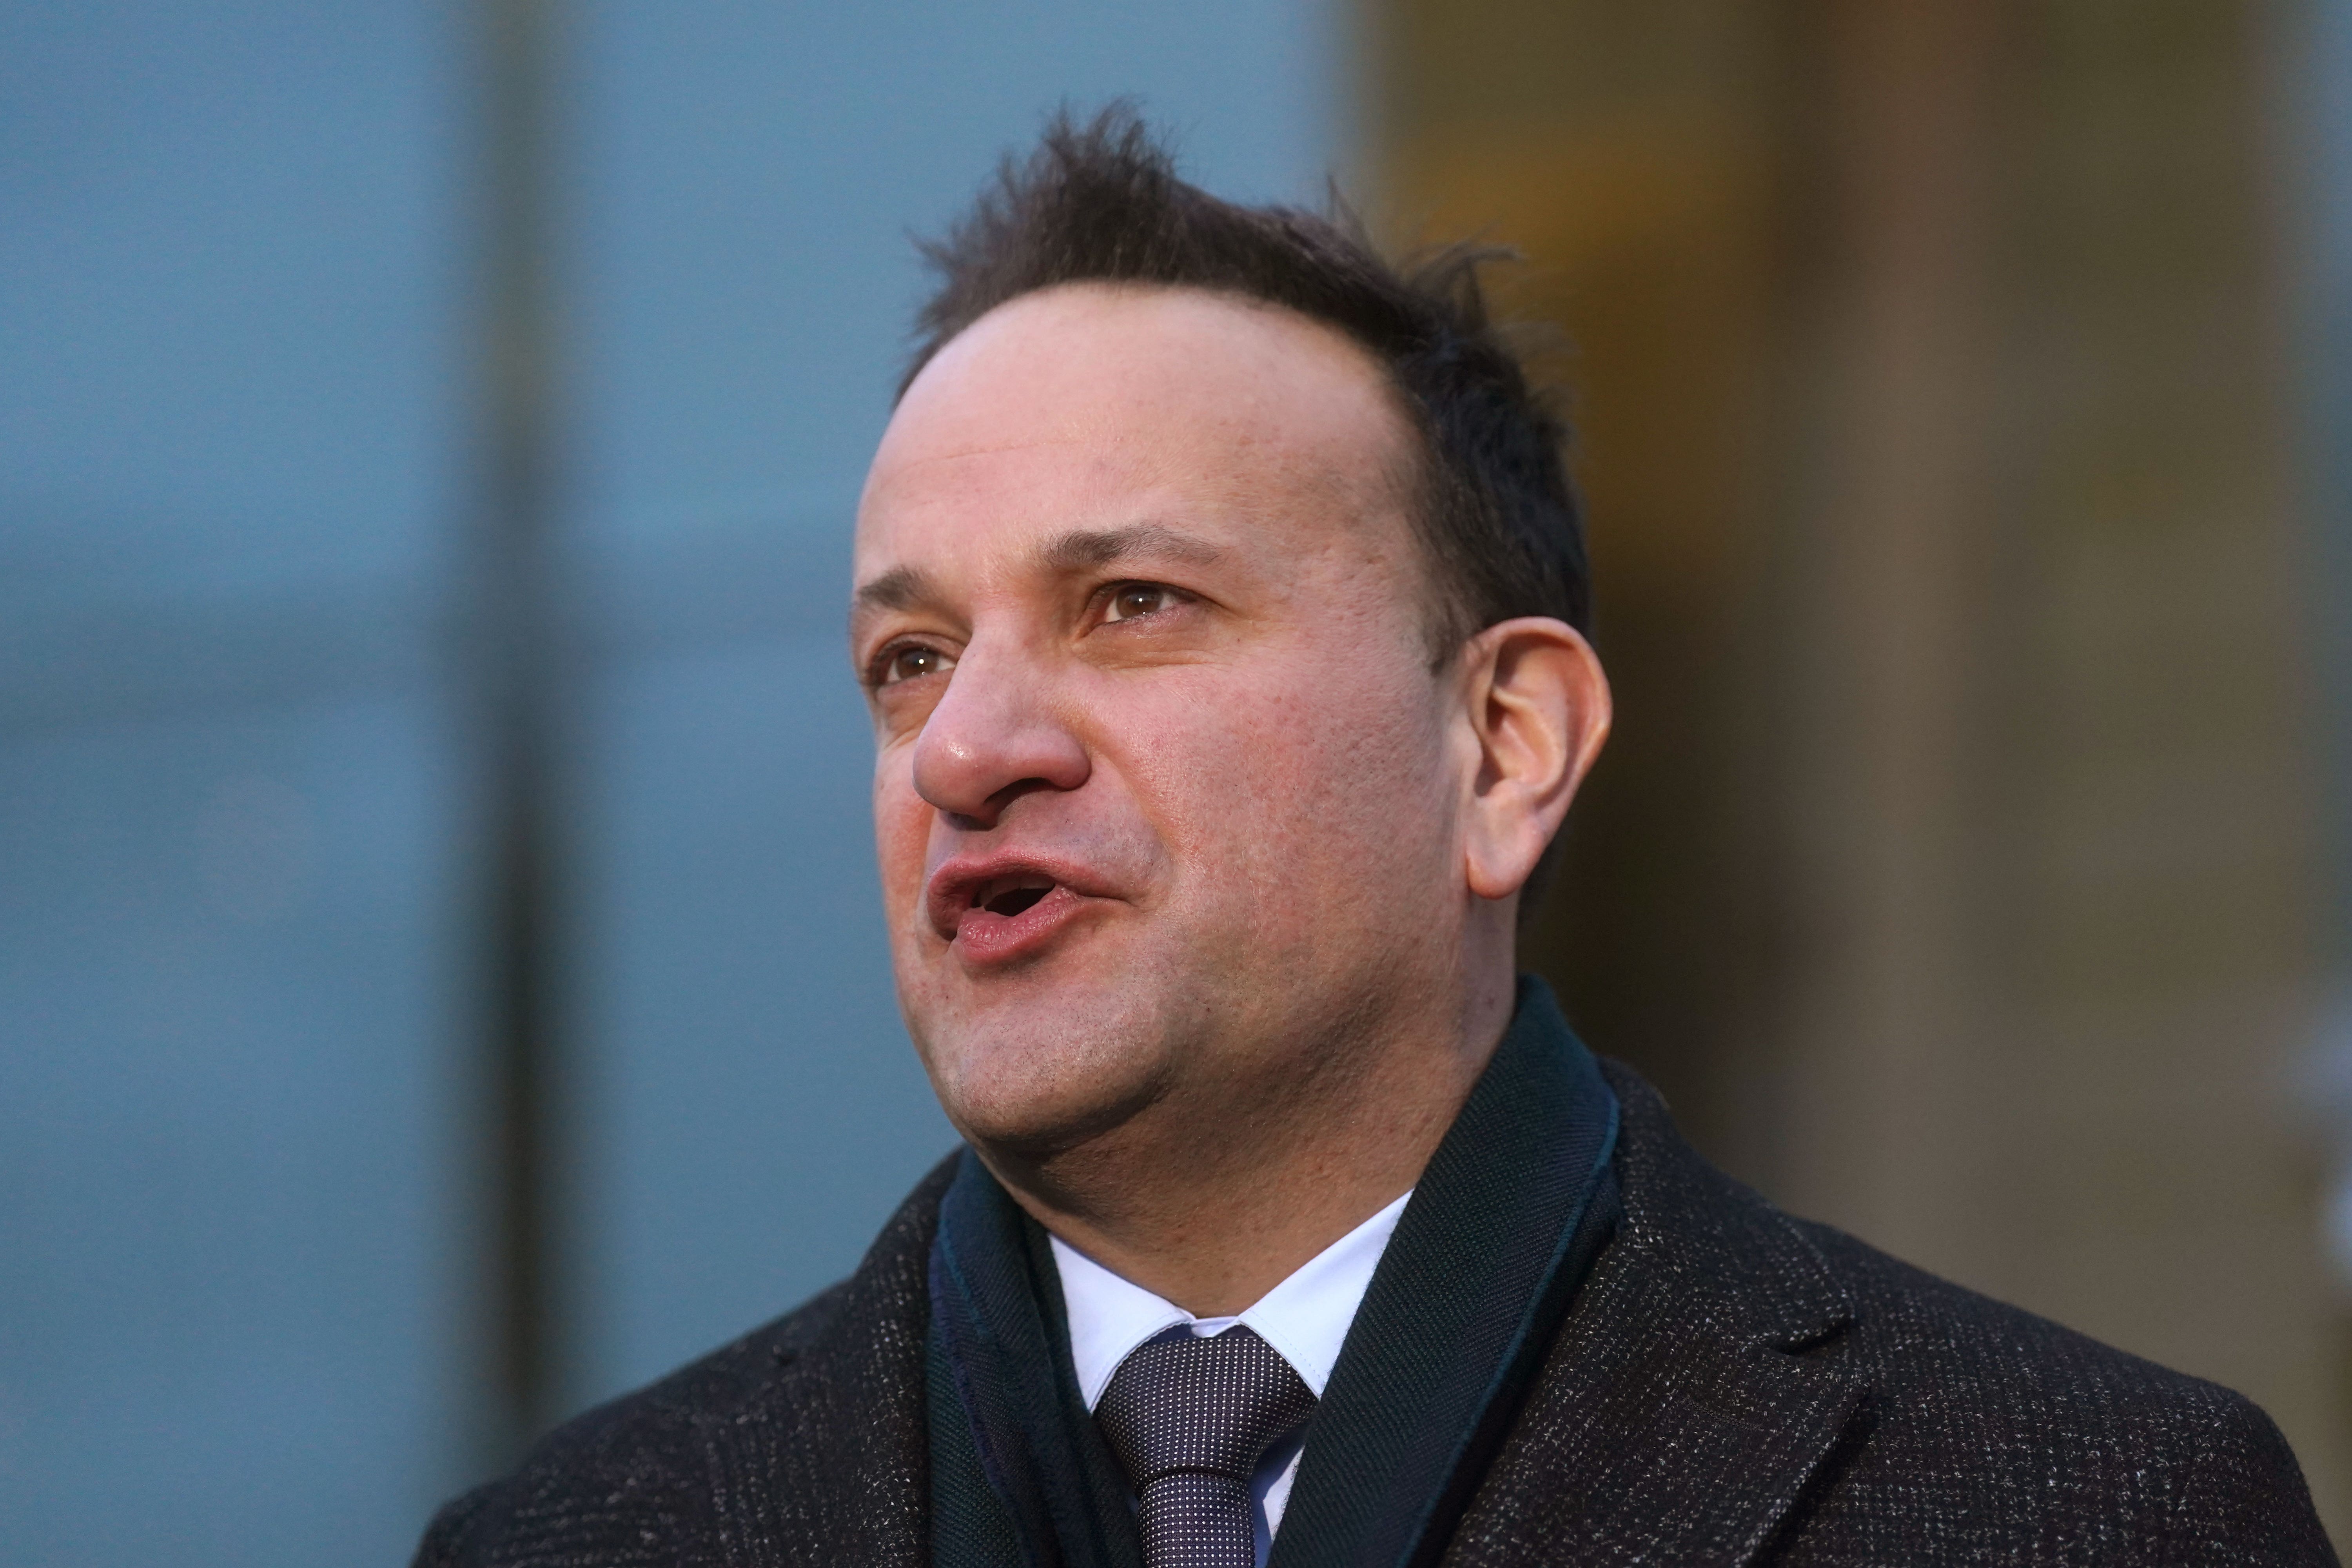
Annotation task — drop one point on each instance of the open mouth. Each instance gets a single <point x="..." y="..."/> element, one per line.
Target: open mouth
<point x="1011" y="896"/>
<point x="1000" y="909"/>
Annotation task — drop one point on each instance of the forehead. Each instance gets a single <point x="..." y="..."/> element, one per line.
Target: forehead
<point x="1080" y="405"/>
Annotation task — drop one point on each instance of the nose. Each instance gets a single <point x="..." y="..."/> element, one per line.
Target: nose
<point x="994" y="738"/>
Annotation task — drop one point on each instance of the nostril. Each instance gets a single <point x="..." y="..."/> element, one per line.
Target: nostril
<point x="1013" y="901"/>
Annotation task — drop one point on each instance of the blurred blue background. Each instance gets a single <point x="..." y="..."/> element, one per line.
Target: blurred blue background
<point x="240" y="321"/>
<point x="2018" y="1011"/>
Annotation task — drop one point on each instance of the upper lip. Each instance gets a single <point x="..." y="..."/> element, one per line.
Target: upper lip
<point x="962" y="880"/>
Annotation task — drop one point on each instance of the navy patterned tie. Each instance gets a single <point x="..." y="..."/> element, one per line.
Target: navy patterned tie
<point x="1189" y="1419"/>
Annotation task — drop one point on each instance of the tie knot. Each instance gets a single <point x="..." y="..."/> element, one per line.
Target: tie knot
<point x="1214" y="1404"/>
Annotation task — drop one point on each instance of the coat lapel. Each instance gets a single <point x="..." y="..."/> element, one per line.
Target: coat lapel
<point x="1469" y="1296"/>
<point x="829" y="1463"/>
<point x="1696" y="1388"/>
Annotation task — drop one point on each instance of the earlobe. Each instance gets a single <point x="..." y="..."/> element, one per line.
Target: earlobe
<point x="1539" y="707"/>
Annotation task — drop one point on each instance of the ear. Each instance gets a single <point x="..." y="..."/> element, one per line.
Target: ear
<point x="1538" y="706"/>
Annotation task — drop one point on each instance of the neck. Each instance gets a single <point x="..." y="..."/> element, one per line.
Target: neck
<point x="1210" y="1200"/>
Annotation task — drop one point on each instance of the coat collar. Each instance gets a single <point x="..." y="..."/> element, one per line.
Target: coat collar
<point x="1486" y="1258"/>
<point x="1696" y="1388"/>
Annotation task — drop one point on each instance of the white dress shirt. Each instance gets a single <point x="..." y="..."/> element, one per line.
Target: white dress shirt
<point x="1305" y="1317"/>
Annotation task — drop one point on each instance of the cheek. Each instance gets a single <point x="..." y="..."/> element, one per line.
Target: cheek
<point x="901" y="834"/>
<point x="1297" y="791"/>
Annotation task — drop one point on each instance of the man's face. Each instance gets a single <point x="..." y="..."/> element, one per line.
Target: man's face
<point x="1166" y="794"/>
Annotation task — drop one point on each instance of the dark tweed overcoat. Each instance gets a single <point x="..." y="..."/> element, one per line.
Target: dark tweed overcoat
<point x="1731" y="1386"/>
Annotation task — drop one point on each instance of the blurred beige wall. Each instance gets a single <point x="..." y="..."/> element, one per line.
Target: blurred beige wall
<point x="1953" y="868"/>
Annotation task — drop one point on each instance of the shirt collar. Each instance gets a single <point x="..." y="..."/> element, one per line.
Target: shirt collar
<point x="1305" y="1317"/>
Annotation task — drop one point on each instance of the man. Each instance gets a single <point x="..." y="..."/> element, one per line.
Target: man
<point x="1221" y="602"/>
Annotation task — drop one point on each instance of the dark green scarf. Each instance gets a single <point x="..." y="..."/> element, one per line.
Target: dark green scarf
<point x="1504" y="1224"/>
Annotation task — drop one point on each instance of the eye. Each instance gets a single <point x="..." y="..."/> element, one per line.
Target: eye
<point x="1130" y="600"/>
<point x="910" y="661"/>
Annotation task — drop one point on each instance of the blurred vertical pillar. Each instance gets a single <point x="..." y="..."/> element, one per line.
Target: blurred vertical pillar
<point x="2049" y="791"/>
<point x="510" y="628"/>
<point x="1893" y="613"/>
<point x="1955" y="867"/>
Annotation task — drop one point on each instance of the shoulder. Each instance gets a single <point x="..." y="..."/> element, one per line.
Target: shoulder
<point x="1920" y="1331"/>
<point x="641" y="1477"/>
<point x="2070" y="1433"/>
<point x="1977" y="1420"/>
<point x="629" y="1475"/>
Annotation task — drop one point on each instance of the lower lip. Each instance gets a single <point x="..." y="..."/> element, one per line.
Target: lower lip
<point x="984" y="937"/>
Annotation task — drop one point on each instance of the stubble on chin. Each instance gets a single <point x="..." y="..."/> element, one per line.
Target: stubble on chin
<point x="1034" y="1088"/>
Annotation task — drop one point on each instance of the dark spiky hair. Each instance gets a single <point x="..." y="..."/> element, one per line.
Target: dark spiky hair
<point x="1099" y="202"/>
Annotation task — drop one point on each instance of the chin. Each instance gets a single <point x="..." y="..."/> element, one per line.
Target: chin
<point x="1043" y="1106"/>
<point x="1035" y="1078"/>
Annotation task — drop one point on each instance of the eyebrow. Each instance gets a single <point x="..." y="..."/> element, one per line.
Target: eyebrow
<point x="1081" y="549"/>
<point x="1089" y="549"/>
<point x="900" y="588"/>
